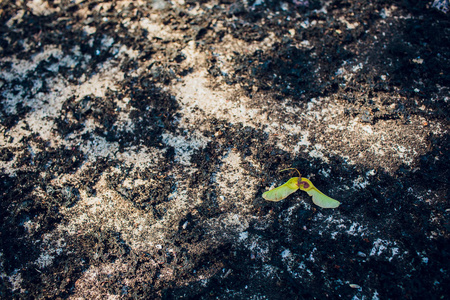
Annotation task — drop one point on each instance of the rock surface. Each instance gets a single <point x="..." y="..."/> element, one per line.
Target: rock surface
<point x="137" y="138"/>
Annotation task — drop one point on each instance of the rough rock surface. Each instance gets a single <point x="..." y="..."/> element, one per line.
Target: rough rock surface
<point x="136" y="139"/>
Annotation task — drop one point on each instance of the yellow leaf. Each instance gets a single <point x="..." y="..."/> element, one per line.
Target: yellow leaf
<point x="295" y="183"/>
<point x="282" y="191"/>
<point x="319" y="198"/>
